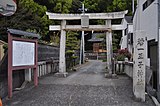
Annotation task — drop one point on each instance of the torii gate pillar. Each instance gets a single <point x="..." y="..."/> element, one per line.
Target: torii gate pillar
<point x="109" y="47"/>
<point x="62" y="59"/>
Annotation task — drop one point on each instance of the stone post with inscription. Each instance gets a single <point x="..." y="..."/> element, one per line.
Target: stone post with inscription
<point x="139" y="65"/>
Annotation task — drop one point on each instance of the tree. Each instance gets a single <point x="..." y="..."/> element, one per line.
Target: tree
<point x="48" y="3"/>
<point x="76" y="5"/>
<point x="72" y="45"/>
<point x="103" y="5"/>
<point x="63" y="6"/>
<point x="91" y="5"/>
<point x="121" y="5"/>
<point x="72" y="42"/>
<point x="30" y="16"/>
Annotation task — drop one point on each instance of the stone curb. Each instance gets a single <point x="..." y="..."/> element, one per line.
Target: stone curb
<point x="155" y="101"/>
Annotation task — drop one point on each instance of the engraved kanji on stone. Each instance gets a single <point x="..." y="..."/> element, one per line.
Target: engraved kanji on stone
<point x="140" y="56"/>
<point x="140" y="41"/>
<point x="140" y="64"/>
<point x="140" y="73"/>
<point x="140" y="82"/>
<point x="140" y="49"/>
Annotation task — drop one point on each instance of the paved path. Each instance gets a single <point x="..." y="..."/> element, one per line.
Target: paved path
<point x="86" y="87"/>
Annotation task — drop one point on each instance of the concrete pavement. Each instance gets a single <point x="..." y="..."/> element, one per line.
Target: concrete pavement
<point x="86" y="87"/>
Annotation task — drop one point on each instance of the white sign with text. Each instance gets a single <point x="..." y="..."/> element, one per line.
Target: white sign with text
<point x="23" y="53"/>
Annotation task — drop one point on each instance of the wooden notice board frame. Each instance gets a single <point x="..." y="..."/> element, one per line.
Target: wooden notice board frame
<point x="11" y="68"/>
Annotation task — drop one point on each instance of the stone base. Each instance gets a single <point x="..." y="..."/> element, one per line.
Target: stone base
<point x="138" y="99"/>
<point x="111" y="75"/>
<point x="22" y="86"/>
<point x="59" y="74"/>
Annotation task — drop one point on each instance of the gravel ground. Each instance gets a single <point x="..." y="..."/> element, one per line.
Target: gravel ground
<point x="86" y="87"/>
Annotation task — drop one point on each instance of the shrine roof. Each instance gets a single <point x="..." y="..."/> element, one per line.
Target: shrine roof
<point x="23" y="33"/>
<point x="95" y="37"/>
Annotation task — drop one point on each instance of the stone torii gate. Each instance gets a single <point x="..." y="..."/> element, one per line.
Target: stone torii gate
<point x="108" y="27"/>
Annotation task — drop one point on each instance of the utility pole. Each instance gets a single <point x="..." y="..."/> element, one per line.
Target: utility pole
<point x="82" y="47"/>
<point x="132" y="7"/>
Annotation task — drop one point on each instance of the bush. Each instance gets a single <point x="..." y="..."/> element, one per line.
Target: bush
<point x="122" y="54"/>
<point x="104" y="60"/>
<point x="120" y="57"/>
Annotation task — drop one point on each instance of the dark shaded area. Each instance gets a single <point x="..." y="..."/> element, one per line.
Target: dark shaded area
<point x="46" y="52"/>
<point x="152" y="54"/>
<point x="18" y="77"/>
<point x="88" y="45"/>
<point x="129" y="19"/>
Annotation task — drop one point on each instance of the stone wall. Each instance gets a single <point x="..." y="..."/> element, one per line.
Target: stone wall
<point x="128" y="69"/>
<point x="46" y="52"/>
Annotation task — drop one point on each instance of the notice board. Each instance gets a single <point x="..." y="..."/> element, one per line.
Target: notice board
<point x="23" y="53"/>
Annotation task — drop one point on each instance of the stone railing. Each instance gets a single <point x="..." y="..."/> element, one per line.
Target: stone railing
<point x="44" y="68"/>
<point x="119" y="67"/>
<point x="95" y="56"/>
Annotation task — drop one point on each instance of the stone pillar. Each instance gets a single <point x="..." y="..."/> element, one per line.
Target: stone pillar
<point x="28" y="75"/>
<point x="139" y="69"/>
<point x="123" y="34"/>
<point x="109" y="47"/>
<point x="80" y="54"/>
<point x="62" y="60"/>
<point x="83" y="47"/>
<point x="158" y="70"/>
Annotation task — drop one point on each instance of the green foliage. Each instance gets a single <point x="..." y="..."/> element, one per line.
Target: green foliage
<point x="63" y="6"/>
<point x="91" y="5"/>
<point x="70" y="52"/>
<point x="101" y="36"/>
<point x="30" y="16"/>
<point x="54" y="38"/>
<point x="48" y="3"/>
<point x="120" y="57"/>
<point x="5" y="47"/>
<point x="76" y="5"/>
<point x="74" y="57"/>
<point x="72" y="42"/>
<point x="121" y="5"/>
<point x="116" y="40"/>
<point x="105" y="60"/>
